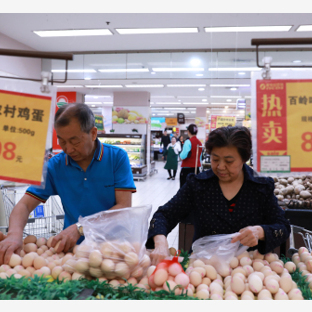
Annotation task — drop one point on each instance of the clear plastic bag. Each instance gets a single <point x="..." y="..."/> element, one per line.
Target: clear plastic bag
<point x="218" y="251"/>
<point x="114" y="244"/>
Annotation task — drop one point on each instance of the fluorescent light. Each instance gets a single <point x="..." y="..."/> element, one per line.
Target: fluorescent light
<point x="223" y="103"/>
<point x="247" y="29"/>
<point x="304" y="28"/>
<point x="103" y="86"/>
<point x="191" y="97"/>
<point x="204" y="100"/>
<point x="195" y="61"/>
<point x="297" y="61"/>
<point x="93" y="102"/>
<point x="175" y="108"/>
<point x="230" y="85"/>
<point x="73" y="70"/>
<point x="199" y="75"/>
<point x="176" y="103"/>
<point x="153" y="73"/>
<point x="69" y="86"/>
<point x="242" y="73"/>
<point x="172" y="69"/>
<point x="234" y="69"/>
<point x="229" y="100"/>
<point x="124" y="70"/>
<point x="195" y="103"/>
<point x="193" y="112"/>
<point x="107" y="102"/>
<point x="145" y="86"/>
<point x="201" y="89"/>
<point x="97" y="96"/>
<point x="73" y="33"/>
<point x="162" y="97"/>
<point x="185" y="85"/>
<point x="225" y="96"/>
<point x="233" y="89"/>
<point x="87" y="78"/>
<point x="140" y="31"/>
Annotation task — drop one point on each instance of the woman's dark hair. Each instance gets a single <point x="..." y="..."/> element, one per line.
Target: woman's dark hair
<point x="238" y="137"/>
<point x="81" y="112"/>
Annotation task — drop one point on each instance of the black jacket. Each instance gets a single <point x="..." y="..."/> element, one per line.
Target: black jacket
<point x="165" y="140"/>
<point x="201" y="194"/>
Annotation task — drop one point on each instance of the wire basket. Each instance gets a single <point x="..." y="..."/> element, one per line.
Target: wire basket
<point x="46" y="220"/>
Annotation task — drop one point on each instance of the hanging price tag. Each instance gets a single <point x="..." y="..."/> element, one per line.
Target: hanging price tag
<point x="24" y="121"/>
<point x="284" y="125"/>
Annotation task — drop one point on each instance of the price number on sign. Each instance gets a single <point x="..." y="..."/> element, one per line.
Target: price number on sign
<point x="307" y="142"/>
<point x="7" y="150"/>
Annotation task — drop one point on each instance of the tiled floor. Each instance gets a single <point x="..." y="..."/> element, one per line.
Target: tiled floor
<point x="156" y="190"/>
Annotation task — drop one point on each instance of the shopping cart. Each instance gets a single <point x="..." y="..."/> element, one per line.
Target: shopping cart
<point x="46" y="220"/>
<point x="301" y="229"/>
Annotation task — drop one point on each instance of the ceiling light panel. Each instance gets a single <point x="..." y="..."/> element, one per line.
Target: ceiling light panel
<point x="229" y="85"/>
<point x="73" y="70"/>
<point x="234" y="69"/>
<point x="143" y="31"/>
<point x="304" y="28"/>
<point x="73" y="32"/>
<point x="69" y="86"/>
<point x="180" y="69"/>
<point x="248" y="29"/>
<point x="124" y="70"/>
<point x="185" y="85"/>
<point x="145" y="86"/>
<point x="103" y="86"/>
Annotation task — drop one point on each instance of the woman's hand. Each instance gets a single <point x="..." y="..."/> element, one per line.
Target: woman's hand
<point x="161" y="250"/>
<point x="249" y="236"/>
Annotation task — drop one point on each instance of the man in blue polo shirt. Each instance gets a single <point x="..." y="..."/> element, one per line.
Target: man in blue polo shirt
<point x="89" y="177"/>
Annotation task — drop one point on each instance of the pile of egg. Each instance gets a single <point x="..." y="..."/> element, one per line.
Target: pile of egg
<point x="109" y="262"/>
<point x="250" y="276"/>
<point x="303" y="261"/>
<point x="171" y="277"/>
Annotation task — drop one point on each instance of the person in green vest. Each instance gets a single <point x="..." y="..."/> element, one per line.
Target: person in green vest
<point x="172" y="152"/>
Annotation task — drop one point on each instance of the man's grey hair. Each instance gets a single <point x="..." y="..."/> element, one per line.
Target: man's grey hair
<point x="81" y="112"/>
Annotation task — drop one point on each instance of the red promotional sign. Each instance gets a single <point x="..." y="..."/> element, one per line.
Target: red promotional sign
<point x="213" y="122"/>
<point x="284" y="125"/>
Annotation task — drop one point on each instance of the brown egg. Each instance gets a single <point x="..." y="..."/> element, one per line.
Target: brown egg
<point x="49" y="241"/>
<point x="28" y="260"/>
<point x="15" y="260"/>
<point x="30" y="239"/>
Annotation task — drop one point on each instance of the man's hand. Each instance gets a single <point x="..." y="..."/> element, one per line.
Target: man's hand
<point x="249" y="236"/>
<point x="67" y="238"/>
<point x="161" y="250"/>
<point x="9" y="245"/>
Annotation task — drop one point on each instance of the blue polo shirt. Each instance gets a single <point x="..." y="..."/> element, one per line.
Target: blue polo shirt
<point x="85" y="193"/>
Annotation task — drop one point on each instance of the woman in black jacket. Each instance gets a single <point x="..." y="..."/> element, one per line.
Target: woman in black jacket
<point x="228" y="198"/>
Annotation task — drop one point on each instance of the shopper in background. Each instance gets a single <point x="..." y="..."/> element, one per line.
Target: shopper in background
<point x="188" y="154"/>
<point x="87" y="171"/>
<point x="181" y="139"/>
<point x="172" y="153"/>
<point x="165" y="141"/>
<point x="226" y="199"/>
<point x="177" y="137"/>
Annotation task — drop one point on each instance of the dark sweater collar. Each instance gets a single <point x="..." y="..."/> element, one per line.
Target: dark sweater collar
<point x="249" y="174"/>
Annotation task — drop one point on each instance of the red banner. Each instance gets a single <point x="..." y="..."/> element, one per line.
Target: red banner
<point x="284" y="125"/>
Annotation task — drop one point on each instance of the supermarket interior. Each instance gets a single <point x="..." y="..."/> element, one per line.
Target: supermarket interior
<point x="164" y="90"/>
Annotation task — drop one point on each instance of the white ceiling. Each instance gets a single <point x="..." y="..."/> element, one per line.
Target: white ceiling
<point x="20" y="27"/>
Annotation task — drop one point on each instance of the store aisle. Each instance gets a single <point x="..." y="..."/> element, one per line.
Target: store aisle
<point x="157" y="190"/>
